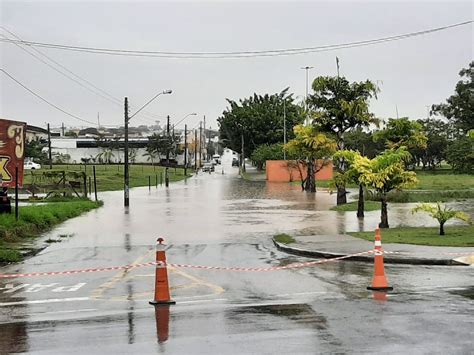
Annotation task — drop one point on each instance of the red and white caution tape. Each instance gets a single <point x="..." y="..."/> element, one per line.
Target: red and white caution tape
<point x="200" y="267"/>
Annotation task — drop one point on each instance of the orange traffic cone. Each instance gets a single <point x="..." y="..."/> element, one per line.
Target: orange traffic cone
<point x="162" y="290"/>
<point x="379" y="282"/>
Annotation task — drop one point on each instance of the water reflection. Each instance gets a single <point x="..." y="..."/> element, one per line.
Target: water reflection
<point x="162" y="317"/>
<point x="379" y="297"/>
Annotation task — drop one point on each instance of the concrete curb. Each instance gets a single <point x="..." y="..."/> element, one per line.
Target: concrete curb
<point x="387" y="259"/>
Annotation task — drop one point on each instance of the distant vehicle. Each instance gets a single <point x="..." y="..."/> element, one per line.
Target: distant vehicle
<point x="235" y="162"/>
<point x="31" y="165"/>
<point x="208" y="167"/>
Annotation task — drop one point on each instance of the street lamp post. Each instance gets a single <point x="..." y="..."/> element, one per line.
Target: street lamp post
<point x="126" y="176"/>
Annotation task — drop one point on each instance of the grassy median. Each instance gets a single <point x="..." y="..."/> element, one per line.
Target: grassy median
<point x="34" y="220"/>
<point x="456" y="236"/>
<point x="110" y="176"/>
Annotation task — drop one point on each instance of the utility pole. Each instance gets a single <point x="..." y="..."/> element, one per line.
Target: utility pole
<point x="205" y="147"/>
<point x="167" y="180"/>
<point x="49" y="149"/>
<point x="243" y="153"/>
<point x="98" y="120"/>
<point x="62" y="128"/>
<point x="185" y="149"/>
<point x="195" y="148"/>
<point x="284" y="128"/>
<point x="200" y="144"/>
<point x="126" y="201"/>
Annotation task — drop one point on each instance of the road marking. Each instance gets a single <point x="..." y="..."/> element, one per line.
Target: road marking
<point x="99" y="291"/>
<point x="51" y="300"/>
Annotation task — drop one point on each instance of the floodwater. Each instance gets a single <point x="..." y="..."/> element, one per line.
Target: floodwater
<point x="220" y="220"/>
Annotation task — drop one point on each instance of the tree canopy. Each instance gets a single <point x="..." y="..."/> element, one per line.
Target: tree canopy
<point x="459" y="107"/>
<point x="383" y="173"/>
<point x="309" y="145"/>
<point x="337" y="106"/>
<point x="259" y="119"/>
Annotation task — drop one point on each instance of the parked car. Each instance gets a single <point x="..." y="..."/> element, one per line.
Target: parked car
<point x="208" y="167"/>
<point x="235" y="162"/>
<point x="31" y="165"/>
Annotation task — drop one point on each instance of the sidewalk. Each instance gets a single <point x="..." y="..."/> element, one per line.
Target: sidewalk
<point x="331" y="246"/>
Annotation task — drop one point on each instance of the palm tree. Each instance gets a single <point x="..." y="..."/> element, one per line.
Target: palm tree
<point x="441" y="213"/>
<point x="151" y="156"/>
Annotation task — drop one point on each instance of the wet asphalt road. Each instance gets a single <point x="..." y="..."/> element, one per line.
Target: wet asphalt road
<point x="220" y="220"/>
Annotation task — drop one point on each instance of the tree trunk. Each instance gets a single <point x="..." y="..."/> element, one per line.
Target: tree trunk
<point x="384" y="214"/>
<point x="360" y="203"/>
<point x="441" y="228"/>
<point x="341" y="195"/>
<point x="310" y="183"/>
<point x="341" y="189"/>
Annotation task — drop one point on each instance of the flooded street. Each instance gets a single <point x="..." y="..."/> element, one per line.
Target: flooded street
<point x="220" y="220"/>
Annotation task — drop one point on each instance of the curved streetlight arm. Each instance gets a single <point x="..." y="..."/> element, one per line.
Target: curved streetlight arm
<point x="181" y="120"/>
<point x="165" y="92"/>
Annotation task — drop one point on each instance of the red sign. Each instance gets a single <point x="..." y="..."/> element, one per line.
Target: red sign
<point x="12" y="151"/>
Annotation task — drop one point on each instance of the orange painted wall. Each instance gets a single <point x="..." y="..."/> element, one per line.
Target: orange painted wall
<point x="278" y="171"/>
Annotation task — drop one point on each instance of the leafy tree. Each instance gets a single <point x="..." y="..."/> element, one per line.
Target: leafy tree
<point x="151" y="155"/>
<point x="338" y="106"/>
<point x="352" y="174"/>
<point x="71" y="134"/>
<point x="460" y="107"/>
<point x="362" y="141"/>
<point x="402" y="132"/>
<point x="106" y="155"/>
<point x="460" y="154"/>
<point x="34" y="150"/>
<point x="441" y="213"/>
<point x="266" y="152"/>
<point x="309" y="146"/>
<point x="259" y="119"/>
<point x="438" y="134"/>
<point x="384" y="173"/>
<point x="161" y="144"/>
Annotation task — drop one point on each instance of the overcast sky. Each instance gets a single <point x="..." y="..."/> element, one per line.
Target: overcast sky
<point x="412" y="73"/>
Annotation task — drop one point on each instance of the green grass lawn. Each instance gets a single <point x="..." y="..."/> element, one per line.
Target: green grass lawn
<point x="34" y="220"/>
<point x="443" y="180"/>
<point x="352" y="206"/>
<point x="110" y="177"/>
<point x="284" y="238"/>
<point x="456" y="236"/>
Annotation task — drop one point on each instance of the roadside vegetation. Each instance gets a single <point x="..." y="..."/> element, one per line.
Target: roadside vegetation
<point x="34" y="220"/>
<point x="110" y="177"/>
<point x="284" y="238"/>
<point x="352" y="206"/>
<point x="456" y="236"/>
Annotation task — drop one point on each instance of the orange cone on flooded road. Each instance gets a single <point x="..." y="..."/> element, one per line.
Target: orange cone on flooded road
<point x="162" y="290"/>
<point x="379" y="282"/>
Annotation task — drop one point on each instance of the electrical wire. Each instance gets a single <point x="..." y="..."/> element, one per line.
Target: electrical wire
<point x="235" y="54"/>
<point x="96" y="90"/>
<point x="43" y="99"/>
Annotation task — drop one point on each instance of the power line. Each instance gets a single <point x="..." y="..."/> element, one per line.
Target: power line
<point x="234" y="54"/>
<point x="96" y="90"/>
<point x="43" y="99"/>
